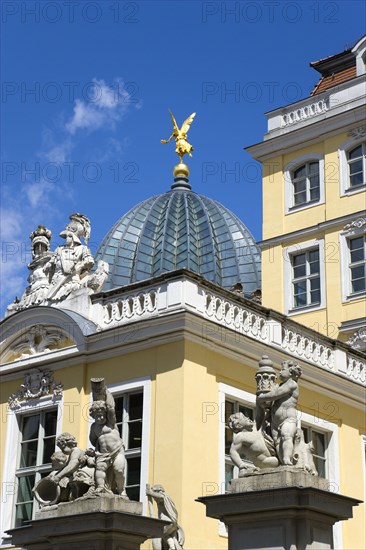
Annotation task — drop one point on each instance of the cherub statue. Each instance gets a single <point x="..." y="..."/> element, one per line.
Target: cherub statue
<point x="72" y="472"/>
<point x="110" y="461"/>
<point x="180" y="135"/>
<point x="284" y="424"/>
<point x="173" y="538"/>
<point x="252" y="443"/>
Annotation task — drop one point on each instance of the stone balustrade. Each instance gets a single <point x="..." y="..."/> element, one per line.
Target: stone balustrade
<point x="187" y="294"/>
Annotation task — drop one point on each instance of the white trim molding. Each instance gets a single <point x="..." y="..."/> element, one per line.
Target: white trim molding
<point x="246" y="398"/>
<point x="12" y="446"/>
<point x="143" y="384"/>
<point x="290" y="208"/>
<point x="356" y="139"/>
<point x="288" y="291"/>
<point x="356" y="228"/>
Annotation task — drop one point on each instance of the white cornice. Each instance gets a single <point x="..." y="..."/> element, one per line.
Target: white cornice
<point x="186" y="326"/>
<point x="312" y="230"/>
<point x="326" y="125"/>
<point x="165" y="319"/>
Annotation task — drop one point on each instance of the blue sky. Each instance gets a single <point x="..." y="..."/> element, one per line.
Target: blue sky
<point x="86" y="88"/>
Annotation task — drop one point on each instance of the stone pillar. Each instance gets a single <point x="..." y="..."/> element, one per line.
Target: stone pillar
<point x="280" y="509"/>
<point x="103" y="523"/>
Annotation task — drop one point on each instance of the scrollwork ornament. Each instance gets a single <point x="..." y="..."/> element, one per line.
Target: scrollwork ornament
<point x="36" y="384"/>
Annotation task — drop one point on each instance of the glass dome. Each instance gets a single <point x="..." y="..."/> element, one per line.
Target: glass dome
<point x="181" y="229"/>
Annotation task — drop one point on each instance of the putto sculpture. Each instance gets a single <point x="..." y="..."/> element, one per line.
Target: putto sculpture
<point x="173" y="538"/>
<point x="89" y="473"/>
<point x="72" y="474"/>
<point x="110" y="461"/>
<point x="276" y="438"/>
<point x="54" y="276"/>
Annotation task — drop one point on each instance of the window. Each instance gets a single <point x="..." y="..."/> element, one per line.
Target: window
<point x="38" y="438"/>
<point x="320" y="444"/>
<point x="356" y="158"/>
<point x="306" y="183"/>
<point x="357" y="264"/>
<point x="129" y="407"/>
<point x="231" y="407"/>
<point x="132" y="400"/>
<point x="352" y="164"/>
<point x="306" y="278"/>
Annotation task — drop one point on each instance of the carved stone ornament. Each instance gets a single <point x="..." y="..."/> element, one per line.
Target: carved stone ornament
<point x="38" y="339"/>
<point x="54" y="276"/>
<point x="174" y="536"/>
<point x="358" y="340"/>
<point x="358" y="132"/>
<point x="36" y="384"/>
<point x="358" y="223"/>
<point x="275" y="439"/>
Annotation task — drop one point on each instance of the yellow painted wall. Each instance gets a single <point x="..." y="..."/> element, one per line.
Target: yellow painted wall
<point x="276" y="223"/>
<point x="184" y="441"/>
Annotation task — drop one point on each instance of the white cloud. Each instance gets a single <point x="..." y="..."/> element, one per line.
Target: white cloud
<point x="106" y="107"/>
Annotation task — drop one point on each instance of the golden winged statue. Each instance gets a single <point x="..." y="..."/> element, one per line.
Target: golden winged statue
<point x="182" y="146"/>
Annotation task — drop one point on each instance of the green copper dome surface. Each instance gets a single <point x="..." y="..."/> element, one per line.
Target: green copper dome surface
<point x="181" y="229"/>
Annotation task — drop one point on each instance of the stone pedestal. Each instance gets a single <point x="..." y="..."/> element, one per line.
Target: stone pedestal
<point x="106" y="523"/>
<point x="280" y="509"/>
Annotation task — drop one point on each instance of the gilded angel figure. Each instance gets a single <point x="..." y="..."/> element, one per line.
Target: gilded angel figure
<point x="180" y="135"/>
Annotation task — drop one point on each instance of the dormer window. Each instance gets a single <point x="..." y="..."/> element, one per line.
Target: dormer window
<point x="306" y="183"/>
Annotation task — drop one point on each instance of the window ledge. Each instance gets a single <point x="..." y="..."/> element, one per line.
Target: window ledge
<point x="304" y="206"/>
<point x="352" y="297"/>
<point x="353" y="190"/>
<point x="305" y="309"/>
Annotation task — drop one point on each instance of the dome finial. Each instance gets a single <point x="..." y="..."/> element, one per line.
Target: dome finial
<point x="182" y="147"/>
<point x="181" y="170"/>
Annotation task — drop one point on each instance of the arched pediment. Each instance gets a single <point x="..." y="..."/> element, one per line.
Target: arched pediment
<point x="39" y="330"/>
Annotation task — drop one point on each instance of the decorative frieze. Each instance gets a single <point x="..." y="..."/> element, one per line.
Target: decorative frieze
<point x="193" y="296"/>
<point x="304" y="347"/>
<point x="35" y="340"/>
<point x="305" y="112"/>
<point x="359" y="132"/>
<point x="358" y="340"/>
<point x="357" y="223"/>
<point x="236" y="317"/>
<point x="130" y="307"/>
<point x="37" y="383"/>
<point x="356" y="369"/>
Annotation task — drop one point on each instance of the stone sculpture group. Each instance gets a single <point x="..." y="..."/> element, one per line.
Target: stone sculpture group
<point x="101" y="471"/>
<point x="275" y="438"/>
<point x="95" y="471"/>
<point x="54" y="276"/>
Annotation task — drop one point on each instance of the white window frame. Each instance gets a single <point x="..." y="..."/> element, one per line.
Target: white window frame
<point x="288" y="271"/>
<point x="290" y="207"/>
<point x="13" y="439"/>
<point x="344" y="237"/>
<point x="134" y="385"/>
<point x="343" y="151"/>
<point x="231" y="393"/>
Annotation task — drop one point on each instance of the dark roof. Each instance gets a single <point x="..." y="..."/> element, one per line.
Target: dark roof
<point x="334" y="70"/>
<point x="334" y="79"/>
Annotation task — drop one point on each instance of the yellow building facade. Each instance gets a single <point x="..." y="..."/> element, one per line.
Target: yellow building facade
<point x="314" y="198"/>
<point x="177" y="332"/>
<point x="177" y="367"/>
